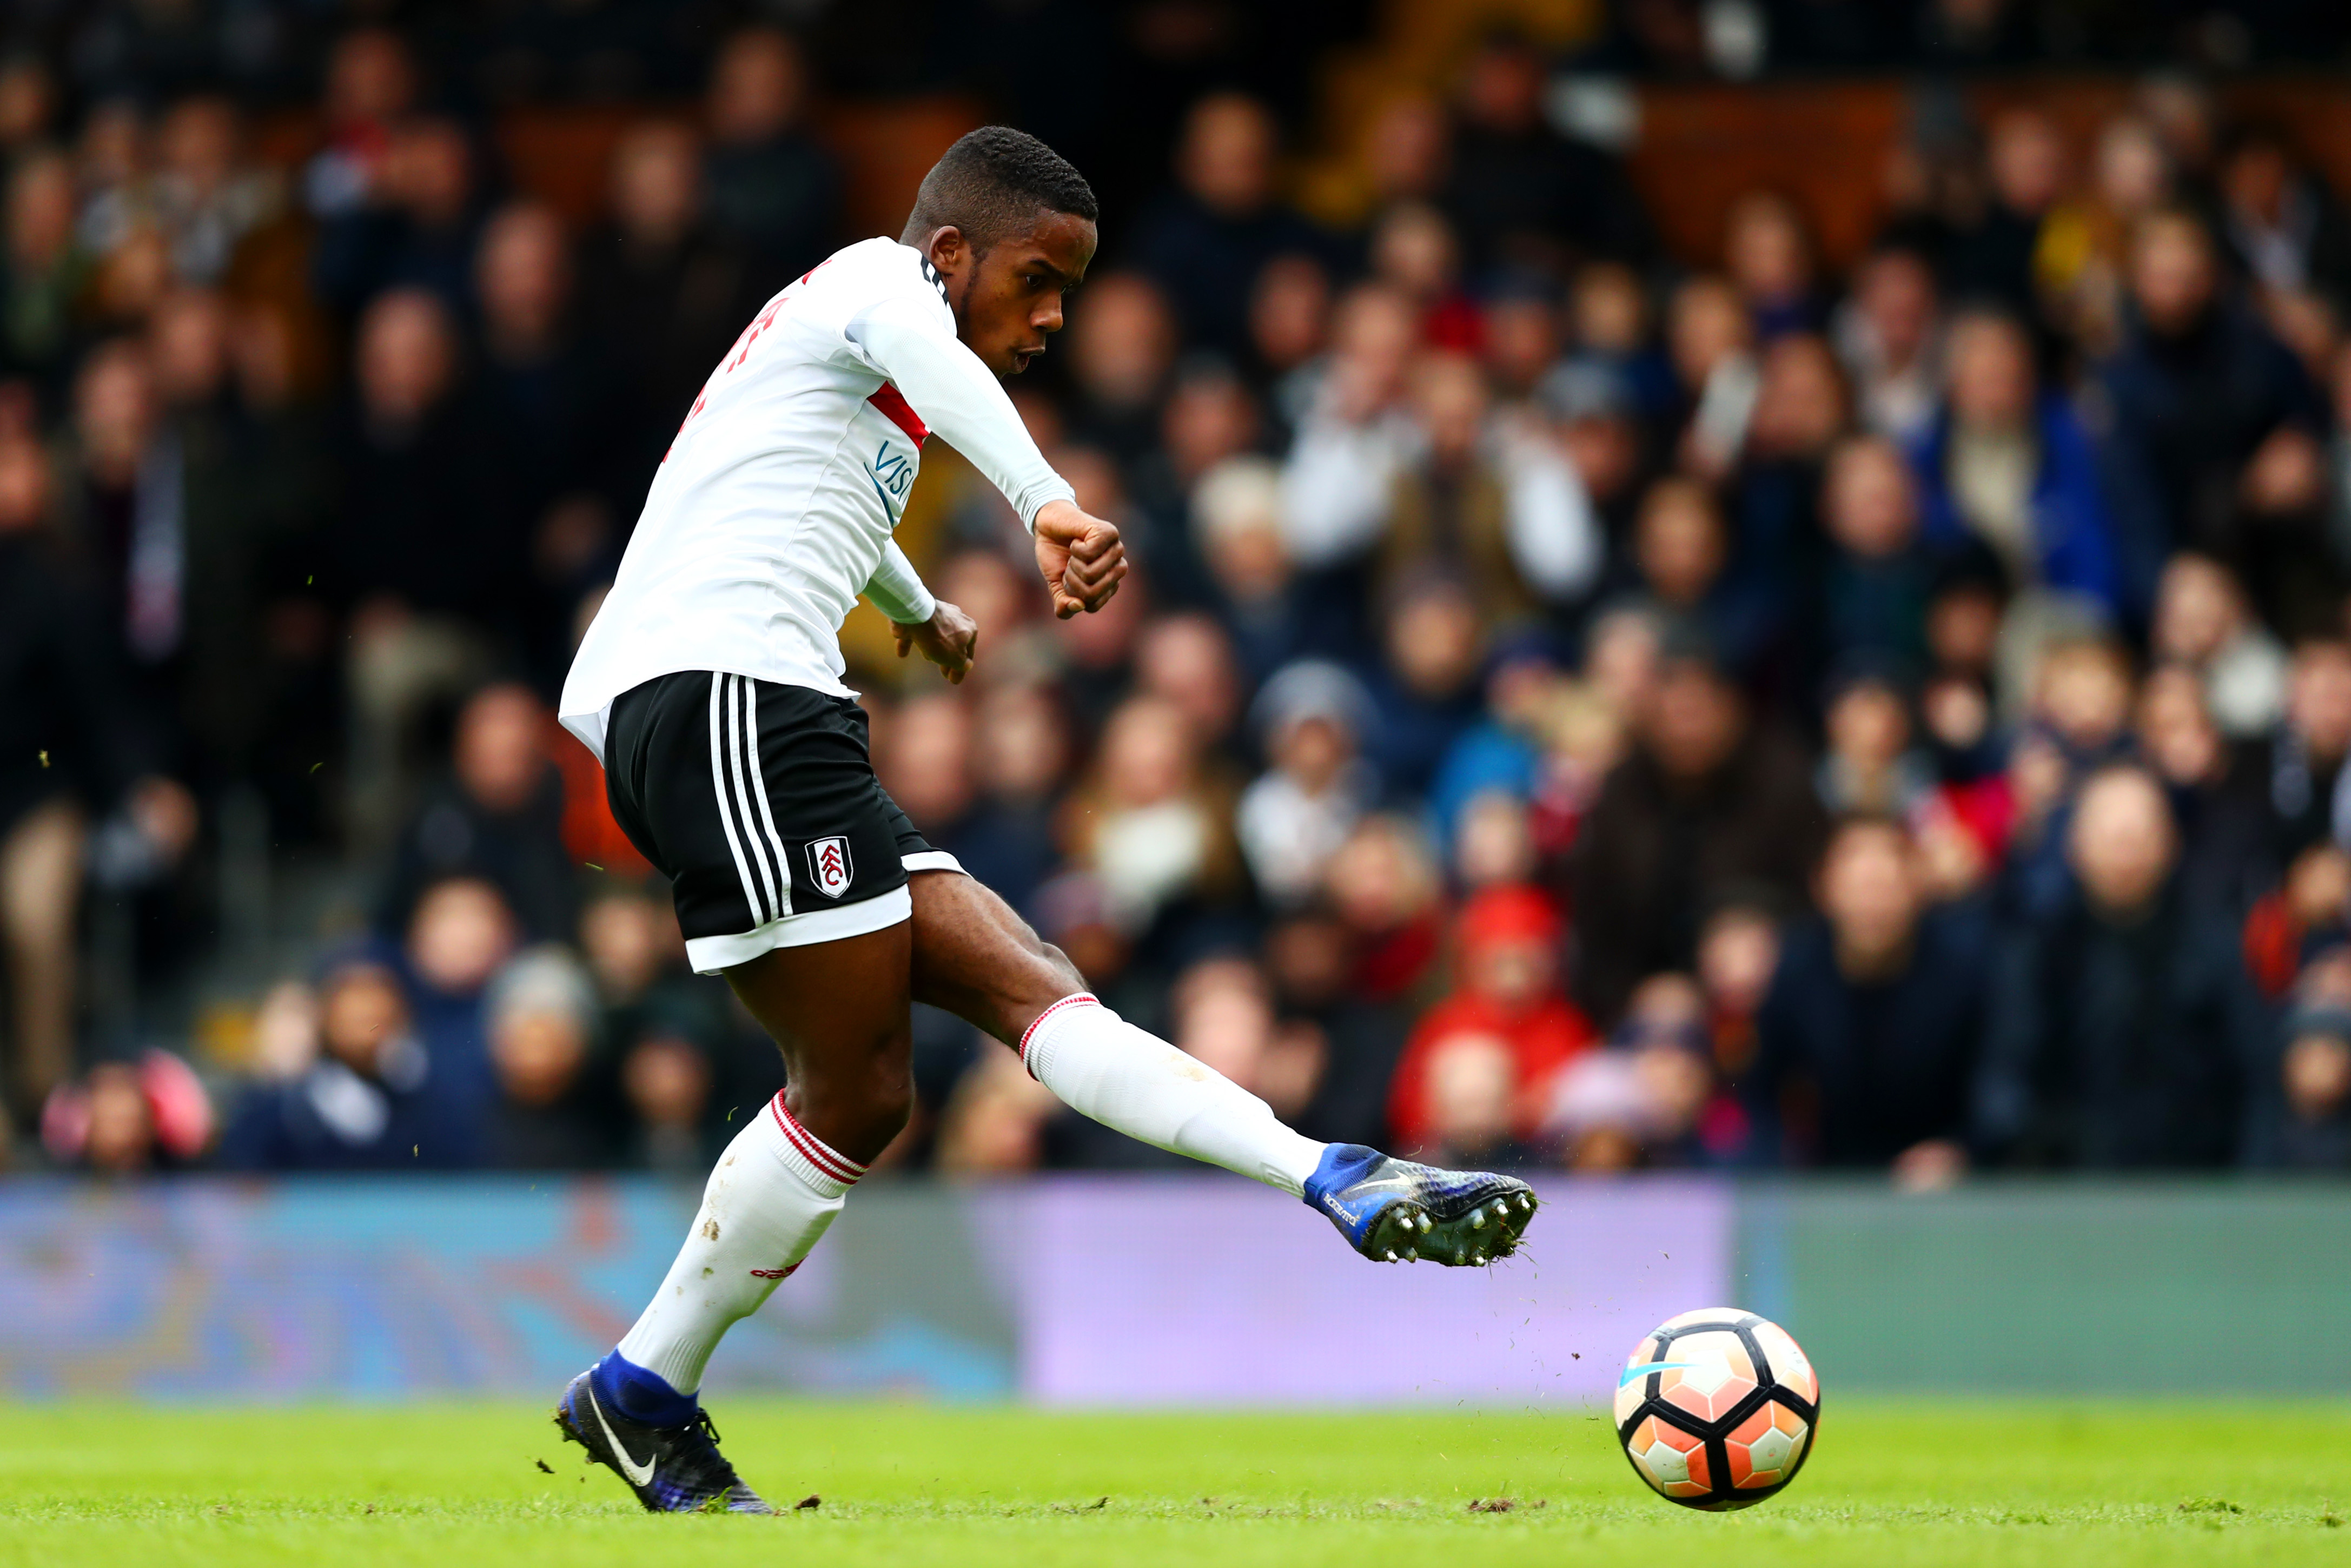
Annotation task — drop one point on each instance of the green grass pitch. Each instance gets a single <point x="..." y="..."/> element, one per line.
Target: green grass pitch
<point x="2109" y="1485"/>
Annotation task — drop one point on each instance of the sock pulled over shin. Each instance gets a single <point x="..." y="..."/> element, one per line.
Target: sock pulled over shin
<point x="1105" y="1067"/>
<point x="773" y="1193"/>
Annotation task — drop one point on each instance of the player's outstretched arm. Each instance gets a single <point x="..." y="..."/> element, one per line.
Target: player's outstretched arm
<point x="1080" y="557"/>
<point x="946" y="636"/>
<point x="949" y="639"/>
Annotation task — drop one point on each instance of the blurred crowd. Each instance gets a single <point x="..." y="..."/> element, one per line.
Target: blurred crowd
<point x="1574" y="706"/>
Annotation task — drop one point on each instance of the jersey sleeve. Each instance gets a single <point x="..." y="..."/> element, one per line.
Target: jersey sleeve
<point x="908" y="336"/>
<point x="897" y="590"/>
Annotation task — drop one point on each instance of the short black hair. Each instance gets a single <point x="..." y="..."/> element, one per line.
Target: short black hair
<point x="992" y="182"/>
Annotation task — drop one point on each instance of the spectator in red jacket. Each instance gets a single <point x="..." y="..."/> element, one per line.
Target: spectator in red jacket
<point x="1506" y="986"/>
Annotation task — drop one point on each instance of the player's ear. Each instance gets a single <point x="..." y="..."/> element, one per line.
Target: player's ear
<point x="947" y="250"/>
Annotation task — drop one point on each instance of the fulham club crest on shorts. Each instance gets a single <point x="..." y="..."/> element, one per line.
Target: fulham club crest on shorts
<point x="828" y="865"/>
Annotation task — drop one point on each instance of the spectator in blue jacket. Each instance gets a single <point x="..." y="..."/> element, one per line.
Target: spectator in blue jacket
<point x="367" y="1100"/>
<point x="2007" y="463"/>
<point x="418" y="228"/>
<point x="2197" y="389"/>
<point x="1205" y="241"/>
<point x="2121" y="1024"/>
<point x="1877" y="576"/>
<point x="1868" y="1037"/>
<point x="2299" y="1112"/>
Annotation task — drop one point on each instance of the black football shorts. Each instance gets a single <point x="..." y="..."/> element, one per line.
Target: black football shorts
<point x="758" y="802"/>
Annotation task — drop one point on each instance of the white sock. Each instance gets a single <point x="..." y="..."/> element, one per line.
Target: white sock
<point x="773" y="1191"/>
<point x="1105" y="1067"/>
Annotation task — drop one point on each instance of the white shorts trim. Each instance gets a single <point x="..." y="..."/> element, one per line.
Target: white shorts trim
<point x="931" y="859"/>
<point x="713" y="955"/>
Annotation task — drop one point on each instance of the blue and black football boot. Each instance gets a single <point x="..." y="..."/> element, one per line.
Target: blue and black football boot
<point x="1395" y="1211"/>
<point x="672" y="1469"/>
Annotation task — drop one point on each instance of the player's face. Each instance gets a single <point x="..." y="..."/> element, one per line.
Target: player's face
<point x="1008" y="297"/>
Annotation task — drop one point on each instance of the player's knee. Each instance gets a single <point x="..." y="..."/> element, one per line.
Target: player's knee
<point x="892" y="1099"/>
<point x="1041" y="971"/>
<point x="857" y="1101"/>
<point x="881" y="1106"/>
<point x="1047" y="978"/>
<point x="1062" y="975"/>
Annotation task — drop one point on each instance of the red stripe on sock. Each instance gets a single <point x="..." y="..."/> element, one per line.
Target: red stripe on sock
<point x="822" y="1157"/>
<point x="1073" y="999"/>
<point x="813" y="1149"/>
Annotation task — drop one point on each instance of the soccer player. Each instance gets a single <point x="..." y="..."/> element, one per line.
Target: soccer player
<point x="709" y="687"/>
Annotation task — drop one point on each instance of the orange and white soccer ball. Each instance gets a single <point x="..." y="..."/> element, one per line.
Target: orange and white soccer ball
<point x="1717" y="1409"/>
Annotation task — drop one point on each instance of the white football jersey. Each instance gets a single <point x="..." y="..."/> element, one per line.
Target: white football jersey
<point x="774" y="507"/>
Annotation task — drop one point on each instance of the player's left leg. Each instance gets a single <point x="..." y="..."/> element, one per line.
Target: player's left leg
<point x="758" y="802"/>
<point x="839" y="1011"/>
<point x="976" y="958"/>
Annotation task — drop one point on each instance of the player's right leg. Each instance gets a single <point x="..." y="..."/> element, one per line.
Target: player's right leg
<point x="976" y="958"/>
<point x="760" y="804"/>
